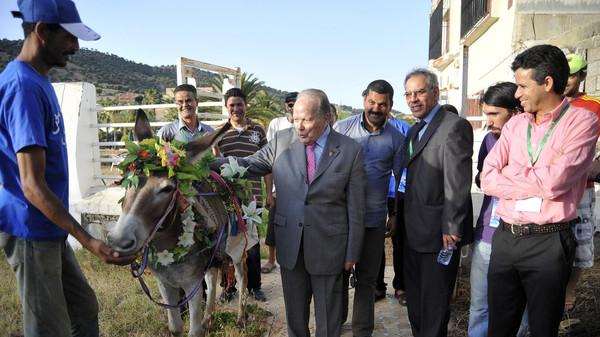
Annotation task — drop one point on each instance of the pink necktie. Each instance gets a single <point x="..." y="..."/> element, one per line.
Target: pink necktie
<point x="311" y="166"/>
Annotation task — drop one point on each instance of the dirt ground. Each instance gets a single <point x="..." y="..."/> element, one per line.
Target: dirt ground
<point x="584" y="319"/>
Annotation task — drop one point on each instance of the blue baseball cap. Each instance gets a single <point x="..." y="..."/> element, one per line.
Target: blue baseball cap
<point x="62" y="12"/>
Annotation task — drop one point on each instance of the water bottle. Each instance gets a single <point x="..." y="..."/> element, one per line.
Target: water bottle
<point x="445" y="256"/>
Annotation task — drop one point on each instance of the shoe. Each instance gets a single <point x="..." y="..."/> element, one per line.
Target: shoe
<point x="267" y="267"/>
<point x="258" y="295"/>
<point x="379" y="295"/>
<point x="400" y="295"/>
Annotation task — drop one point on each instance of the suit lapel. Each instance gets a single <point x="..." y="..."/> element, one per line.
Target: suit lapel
<point x="299" y="157"/>
<point x="330" y="151"/>
<point x="406" y="158"/>
<point x="431" y="128"/>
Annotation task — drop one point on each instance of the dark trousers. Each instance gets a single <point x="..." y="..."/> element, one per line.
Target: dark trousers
<point x="363" y="314"/>
<point x="428" y="288"/>
<point x="398" y="261"/>
<point x="530" y="270"/>
<point x="253" y="264"/>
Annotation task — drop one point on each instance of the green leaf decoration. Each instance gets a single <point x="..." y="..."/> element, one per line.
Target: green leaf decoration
<point x="185" y="175"/>
<point x="132" y="147"/>
<point x="135" y="181"/>
<point x="128" y="160"/>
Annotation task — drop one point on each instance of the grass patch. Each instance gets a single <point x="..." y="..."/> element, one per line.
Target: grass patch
<point x="124" y="308"/>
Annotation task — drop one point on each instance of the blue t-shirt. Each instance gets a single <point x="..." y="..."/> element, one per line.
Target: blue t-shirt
<point x="30" y="116"/>
<point x="403" y="127"/>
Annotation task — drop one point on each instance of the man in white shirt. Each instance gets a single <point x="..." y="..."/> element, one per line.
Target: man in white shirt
<point x="276" y="125"/>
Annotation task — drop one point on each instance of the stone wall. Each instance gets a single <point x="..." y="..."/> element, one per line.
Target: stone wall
<point x="580" y="32"/>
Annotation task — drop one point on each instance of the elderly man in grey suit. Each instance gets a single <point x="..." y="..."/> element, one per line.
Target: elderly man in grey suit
<point x="435" y="187"/>
<point x="319" y="221"/>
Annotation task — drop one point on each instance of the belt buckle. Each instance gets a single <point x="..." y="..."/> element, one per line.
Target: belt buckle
<point x="516" y="225"/>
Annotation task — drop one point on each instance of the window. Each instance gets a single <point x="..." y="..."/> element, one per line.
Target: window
<point x="435" y="32"/>
<point x="471" y="12"/>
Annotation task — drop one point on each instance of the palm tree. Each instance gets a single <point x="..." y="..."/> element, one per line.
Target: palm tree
<point x="262" y="106"/>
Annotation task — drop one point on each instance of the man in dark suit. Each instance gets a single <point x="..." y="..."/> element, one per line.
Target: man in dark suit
<point x="435" y="188"/>
<point x="319" y="221"/>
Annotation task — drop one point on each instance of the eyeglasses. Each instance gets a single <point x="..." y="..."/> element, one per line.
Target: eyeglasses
<point x="290" y="104"/>
<point x="419" y="93"/>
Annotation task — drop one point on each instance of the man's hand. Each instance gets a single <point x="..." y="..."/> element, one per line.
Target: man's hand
<point x="270" y="202"/>
<point x="390" y="226"/>
<point x="348" y="265"/>
<point x="106" y="254"/>
<point x="450" y="240"/>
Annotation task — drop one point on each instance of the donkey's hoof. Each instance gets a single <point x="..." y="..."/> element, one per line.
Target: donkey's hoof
<point x="241" y="319"/>
<point x="176" y="333"/>
<point x="206" y="322"/>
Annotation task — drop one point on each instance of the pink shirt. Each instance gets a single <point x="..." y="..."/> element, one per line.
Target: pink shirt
<point x="560" y="173"/>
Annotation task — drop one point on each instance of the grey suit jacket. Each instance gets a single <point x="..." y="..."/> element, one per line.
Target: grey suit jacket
<point x="438" y="183"/>
<point x="327" y="216"/>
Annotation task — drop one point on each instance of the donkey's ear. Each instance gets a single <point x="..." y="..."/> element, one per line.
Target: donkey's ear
<point x="205" y="142"/>
<point x="142" y="129"/>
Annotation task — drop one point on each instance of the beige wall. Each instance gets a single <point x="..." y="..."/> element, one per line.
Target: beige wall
<point x="573" y="31"/>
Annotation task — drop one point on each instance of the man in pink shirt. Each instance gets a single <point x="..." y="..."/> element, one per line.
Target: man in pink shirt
<point x="538" y="170"/>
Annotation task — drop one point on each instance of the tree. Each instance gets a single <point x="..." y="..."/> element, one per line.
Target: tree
<point x="152" y="96"/>
<point x="262" y="106"/>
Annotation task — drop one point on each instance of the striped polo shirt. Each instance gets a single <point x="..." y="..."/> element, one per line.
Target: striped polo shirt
<point x="242" y="143"/>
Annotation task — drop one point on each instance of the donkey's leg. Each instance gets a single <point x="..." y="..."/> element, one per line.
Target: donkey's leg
<point x="170" y="295"/>
<point x="242" y="280"/>
<point x="197" y="329"/>
<point x="211" y="290"/>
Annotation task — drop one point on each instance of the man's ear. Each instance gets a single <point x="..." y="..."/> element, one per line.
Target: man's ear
<point x="548" y="83"/>
<point x="436" y="93"/>
<point x="40" y="31"/>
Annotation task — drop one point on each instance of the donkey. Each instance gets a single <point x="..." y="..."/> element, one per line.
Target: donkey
<point x="150" y="201"/>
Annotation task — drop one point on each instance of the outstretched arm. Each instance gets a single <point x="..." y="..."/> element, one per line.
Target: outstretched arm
<point x="32" y="165"/>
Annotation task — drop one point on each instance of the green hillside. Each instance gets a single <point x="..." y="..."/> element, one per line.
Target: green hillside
<point x="112" y="74"/>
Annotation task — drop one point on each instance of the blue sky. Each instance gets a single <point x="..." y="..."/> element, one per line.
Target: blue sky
<point x="337" y="46"/>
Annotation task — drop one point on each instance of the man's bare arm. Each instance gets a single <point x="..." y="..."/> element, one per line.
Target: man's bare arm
<point x="32" y="165"/>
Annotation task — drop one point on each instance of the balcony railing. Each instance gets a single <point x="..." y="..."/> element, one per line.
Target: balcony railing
<point x="435" y="32"/>
<point x="471" y="12"/>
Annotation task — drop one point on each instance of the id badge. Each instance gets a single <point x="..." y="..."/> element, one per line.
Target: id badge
<point x="494" y="219"/>
<point x="533" y="205"/>
<point x="402" y="183"/>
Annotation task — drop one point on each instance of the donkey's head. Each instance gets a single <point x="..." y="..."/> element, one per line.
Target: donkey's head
<point x="150" y="199"/>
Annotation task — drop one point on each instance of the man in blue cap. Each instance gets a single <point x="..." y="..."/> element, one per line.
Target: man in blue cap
<point x="34" y="222"/>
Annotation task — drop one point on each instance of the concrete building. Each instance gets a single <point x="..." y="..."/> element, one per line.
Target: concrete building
<point x="473" y="42"/>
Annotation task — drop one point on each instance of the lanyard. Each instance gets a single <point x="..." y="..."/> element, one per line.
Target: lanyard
<point x="410" y="148"/>
<point x="533" y="159"/>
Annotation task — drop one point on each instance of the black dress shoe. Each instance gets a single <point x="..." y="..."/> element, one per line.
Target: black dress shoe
<point x="258" y="295"/>
<point x="379" y="295"/>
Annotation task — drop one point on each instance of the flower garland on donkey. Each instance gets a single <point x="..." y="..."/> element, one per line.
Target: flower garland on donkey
<point x="152" y="156"/>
